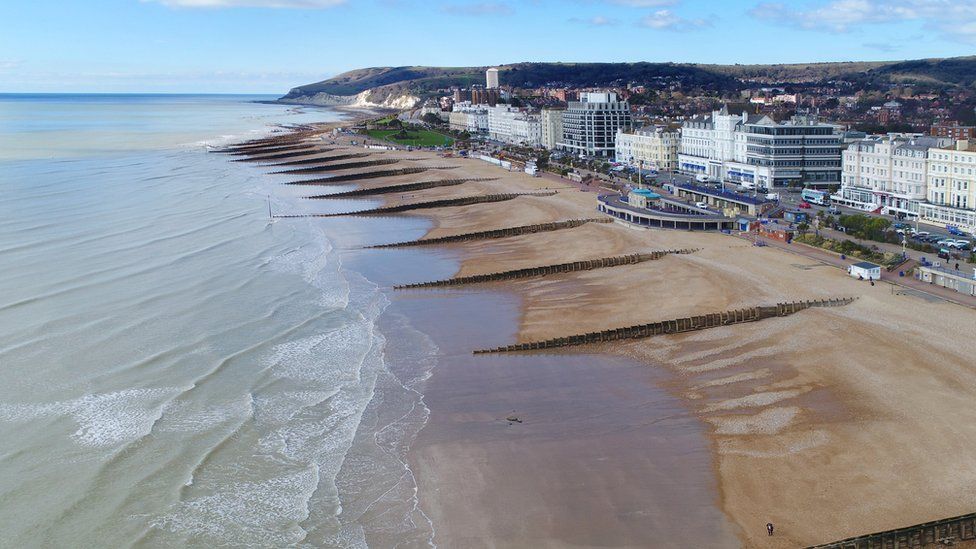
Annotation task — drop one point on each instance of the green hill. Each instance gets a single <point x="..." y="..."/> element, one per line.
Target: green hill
<point x="386" y="82"/>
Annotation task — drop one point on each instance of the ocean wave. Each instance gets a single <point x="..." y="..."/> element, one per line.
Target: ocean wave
<point x="105" y="419"/>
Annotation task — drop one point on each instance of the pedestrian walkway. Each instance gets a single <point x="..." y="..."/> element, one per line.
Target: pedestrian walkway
<point x="910" y="284"/>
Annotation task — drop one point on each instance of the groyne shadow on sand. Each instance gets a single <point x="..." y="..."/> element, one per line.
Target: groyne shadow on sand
<point x="444" y="203"/>
<point x="402" y="188"/>
<point x="534" y="272"/>
<point x="496" y="233"/>
<point x="675" y="326"/>
<point x="367" y="175"/>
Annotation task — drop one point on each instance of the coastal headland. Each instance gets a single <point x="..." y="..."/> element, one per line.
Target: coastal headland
<point x="829" y="423"/>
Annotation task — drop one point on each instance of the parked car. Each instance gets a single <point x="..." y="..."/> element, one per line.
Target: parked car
<point x="804" y="205"/>
<point x="955" y="231"/>
<point x="702" y="205"/>
<point x="833" y="210"/>
<point x="922" y="235"/>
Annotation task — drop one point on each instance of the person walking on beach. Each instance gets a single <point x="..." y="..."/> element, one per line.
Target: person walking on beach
<point x="769" y="528"/>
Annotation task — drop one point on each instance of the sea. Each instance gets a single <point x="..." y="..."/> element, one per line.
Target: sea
<point x="177" y="368"/>
<point x="180" y="368"/>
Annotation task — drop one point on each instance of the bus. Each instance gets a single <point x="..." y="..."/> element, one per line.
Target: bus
<point x="814" y="196"/>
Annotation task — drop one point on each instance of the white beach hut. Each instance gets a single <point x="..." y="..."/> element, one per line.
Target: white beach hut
<point x="865" y="270"/>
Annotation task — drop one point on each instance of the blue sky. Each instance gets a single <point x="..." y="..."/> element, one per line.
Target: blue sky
<point x="268" y="46"/>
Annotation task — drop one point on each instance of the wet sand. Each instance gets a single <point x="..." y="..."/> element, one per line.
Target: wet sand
<point x="828" y="423"/>
<point x="600" y="454"/>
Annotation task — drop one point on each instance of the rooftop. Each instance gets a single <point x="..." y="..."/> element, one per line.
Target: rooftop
<point x="729" y="195"/>
<point x="646" y="193"/>
<point x="866" y="265"/>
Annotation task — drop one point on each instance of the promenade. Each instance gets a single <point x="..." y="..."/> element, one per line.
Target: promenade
<point x="906" y="285"/>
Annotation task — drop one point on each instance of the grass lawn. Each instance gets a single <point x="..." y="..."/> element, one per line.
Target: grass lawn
<point x="417" y="138"/>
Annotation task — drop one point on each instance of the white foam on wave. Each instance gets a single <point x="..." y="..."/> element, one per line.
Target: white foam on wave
<point x="248" y="513"/>
<point x="105" y="419"/>
<point x="183" y="416"/>
<point x="318" y="264"/>
<point x="226" y="139"/>
<point x="330" y="359"/>
<point x="306" y="419"/>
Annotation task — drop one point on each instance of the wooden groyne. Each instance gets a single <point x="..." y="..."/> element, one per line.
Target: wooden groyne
<point x="340" y="166"/>
<point x="274" y="149"/>
<point x="534" y="272"/>
<point x="402" y="188"/>
<point x="445" y="203"/>
<point x="939" y="533"/>
<point x="679" y="325"/>
<point x="324" y="160"/>
<point x="281" y="156"/>
<point x="496" y="233"/>
<point x="291" y="133"/>
<point x="277" y="141"/>
<point x="366" y="175"/>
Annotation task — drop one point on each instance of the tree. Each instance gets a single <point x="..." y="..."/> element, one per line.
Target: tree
<point x="432" y="119"/>
<point x="802" y="228"/>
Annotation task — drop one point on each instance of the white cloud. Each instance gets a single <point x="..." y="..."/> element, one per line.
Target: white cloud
<point x="644" y="3"/>
<point x="294" y="4"/>
<point x="479" y="9"/>
<point x="948" y="17"/>
<point x="670" y="21"/>
<point x="598" y="21"/>
<point x="882" y="46"/>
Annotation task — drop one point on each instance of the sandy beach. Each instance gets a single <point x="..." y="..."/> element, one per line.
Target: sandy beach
<point x="828" y="423"/>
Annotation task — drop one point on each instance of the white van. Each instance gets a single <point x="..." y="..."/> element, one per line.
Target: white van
<point x="702" y="178"/>
<point x="748" y="185"/>
<point x="702" y="205"/>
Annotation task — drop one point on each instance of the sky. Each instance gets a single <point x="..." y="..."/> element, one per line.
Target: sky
<point x="270" y="46"/>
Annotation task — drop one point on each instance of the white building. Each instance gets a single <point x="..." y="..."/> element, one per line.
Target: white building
<point x="757" y="150"/>
<point x="552" y="127"/>
<point x="491" y="78"/>
<point x="951" y="182"/>
<point x="886" y="174"/>
<point x="511" y="125"/>
<point x="590" y="125"/>
<point x="865" y="271"/>
<point x="653" y="148"/>
<point x="470" y="118"/>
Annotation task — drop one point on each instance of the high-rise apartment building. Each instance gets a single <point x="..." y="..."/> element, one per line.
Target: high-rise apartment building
<point x="590" y="125"/>
<point x="491" y="79"/>
<point x="552" y="127"/>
